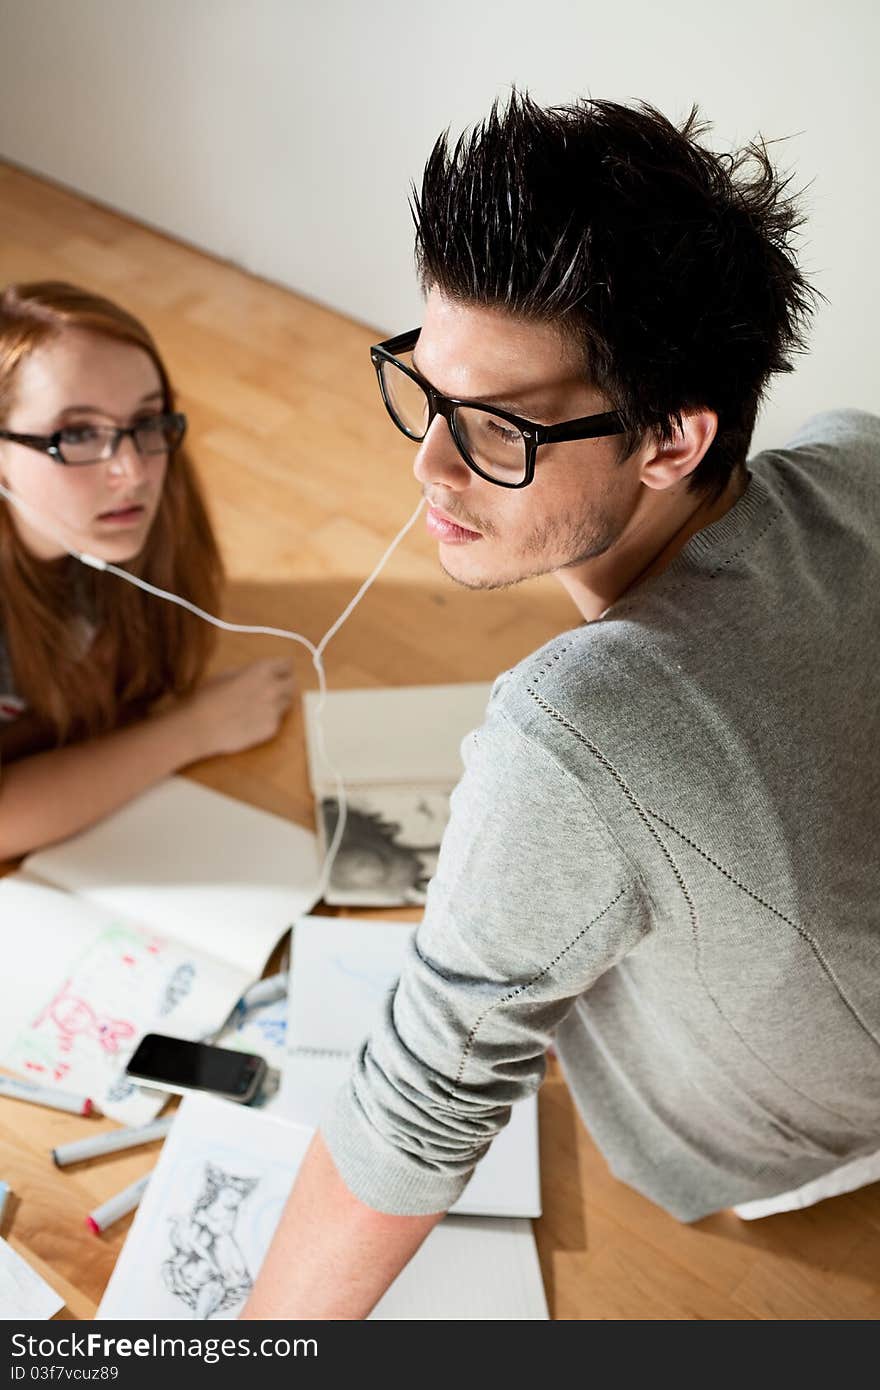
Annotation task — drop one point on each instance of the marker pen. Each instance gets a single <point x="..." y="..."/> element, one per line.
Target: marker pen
<point x="111" y="1142"/>
<point x="17" y="1089"/>
<point x="264" y="992"/>
<point x="115" y="1207"/>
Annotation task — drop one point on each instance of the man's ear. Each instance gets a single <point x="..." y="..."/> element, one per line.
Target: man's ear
<point x="665" y="465"/>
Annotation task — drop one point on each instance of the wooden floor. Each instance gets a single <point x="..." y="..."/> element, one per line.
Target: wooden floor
<point x="308" y="481"/>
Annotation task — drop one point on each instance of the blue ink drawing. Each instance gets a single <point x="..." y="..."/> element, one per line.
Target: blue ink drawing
<point x="177" y="988"/>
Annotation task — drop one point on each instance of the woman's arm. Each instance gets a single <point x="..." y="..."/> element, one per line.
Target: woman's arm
<point x="51" y="795"/>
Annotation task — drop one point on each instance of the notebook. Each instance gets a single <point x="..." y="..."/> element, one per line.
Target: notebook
<point x="211" y="1208"/>
<point x="156" y="919"/>
<point x="342" y="970"/>
<point x="397" y="752"/>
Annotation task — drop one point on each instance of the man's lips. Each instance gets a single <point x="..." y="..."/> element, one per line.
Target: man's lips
<point x="443" y="528"/>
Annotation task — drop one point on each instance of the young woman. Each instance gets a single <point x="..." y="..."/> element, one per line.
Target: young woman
<point x="100" y="692"/>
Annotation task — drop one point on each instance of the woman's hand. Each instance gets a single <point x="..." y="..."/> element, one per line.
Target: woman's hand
<point x="240" y="708"/>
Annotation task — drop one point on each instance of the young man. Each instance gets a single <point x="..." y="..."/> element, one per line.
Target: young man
<point x="662" y="854"/>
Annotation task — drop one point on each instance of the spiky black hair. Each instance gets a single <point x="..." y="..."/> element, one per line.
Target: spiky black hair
<point x="671" y="266"/>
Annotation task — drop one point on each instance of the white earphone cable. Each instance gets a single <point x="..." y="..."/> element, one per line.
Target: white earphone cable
<point x="47" y="528"/>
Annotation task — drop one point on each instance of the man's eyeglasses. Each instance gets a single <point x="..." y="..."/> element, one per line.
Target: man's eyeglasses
<point x="80" y="444"/>
<point x="496" y="444"/>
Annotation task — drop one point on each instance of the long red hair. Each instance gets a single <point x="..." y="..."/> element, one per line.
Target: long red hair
<point x="143" y="647"/>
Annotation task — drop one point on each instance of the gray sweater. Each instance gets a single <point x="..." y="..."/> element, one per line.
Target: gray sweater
<point x="663" y="857"/>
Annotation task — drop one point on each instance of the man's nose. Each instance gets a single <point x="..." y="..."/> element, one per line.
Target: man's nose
<point x="438" y="461"/>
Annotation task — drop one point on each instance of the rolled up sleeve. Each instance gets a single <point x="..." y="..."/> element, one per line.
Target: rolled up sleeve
<point x="532" y="901"/>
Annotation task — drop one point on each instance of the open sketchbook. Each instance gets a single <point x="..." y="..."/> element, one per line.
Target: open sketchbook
<point x="155" y="919"/>
<point x="397" y="752"/>
<point x="211" y="1208"/>
<point x="342" y="971"/>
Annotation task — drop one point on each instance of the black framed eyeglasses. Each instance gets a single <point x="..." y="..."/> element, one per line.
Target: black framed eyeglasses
<point x="82" y="444"/>
<point x="494" y="443"/>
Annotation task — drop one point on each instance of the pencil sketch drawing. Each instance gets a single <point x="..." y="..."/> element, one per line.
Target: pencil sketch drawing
<point x="207" y="1270"/>
<point x="389" y="846"/>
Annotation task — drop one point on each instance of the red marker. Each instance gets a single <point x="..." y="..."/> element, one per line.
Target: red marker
<point x="115" y="1207"/>
<point x="17" y="1089"/>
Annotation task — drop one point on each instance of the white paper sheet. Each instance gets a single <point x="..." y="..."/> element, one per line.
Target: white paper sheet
<point x="211" y="872"/>
<point x="406" y="734"/>
<point x="341" y="970"/>
<point x="470" y="1269"/>
<point x="23" y="1294"/>
<point x="211" y="1207"/>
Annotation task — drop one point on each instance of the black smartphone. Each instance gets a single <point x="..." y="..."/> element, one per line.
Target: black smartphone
<point x="173" y="1064"/>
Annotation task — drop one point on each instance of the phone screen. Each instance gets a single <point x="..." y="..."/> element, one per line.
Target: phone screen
<point x="175" y="1062"/>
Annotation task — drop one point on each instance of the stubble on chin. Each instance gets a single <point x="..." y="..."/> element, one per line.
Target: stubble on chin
<point x="479" y="582"/>
<point x="547" y="550"/>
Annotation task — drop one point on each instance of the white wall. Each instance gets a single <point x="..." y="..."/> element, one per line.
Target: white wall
<point x="283" y="135"/>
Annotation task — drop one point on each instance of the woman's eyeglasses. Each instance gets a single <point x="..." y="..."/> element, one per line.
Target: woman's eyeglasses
<point x="82" y="444"/>
<point x="494" y="443"/>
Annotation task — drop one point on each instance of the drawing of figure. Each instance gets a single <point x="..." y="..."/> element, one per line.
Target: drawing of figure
<point x="73" y="1015"/>
<point x="207" y="1269"/>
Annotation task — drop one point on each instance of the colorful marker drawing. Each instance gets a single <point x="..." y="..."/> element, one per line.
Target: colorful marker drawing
<point x="72" y="1015"/>
<point x="126" y="981"/>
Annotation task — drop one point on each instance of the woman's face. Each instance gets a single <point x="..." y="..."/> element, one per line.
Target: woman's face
<point x="107" y="508"/>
